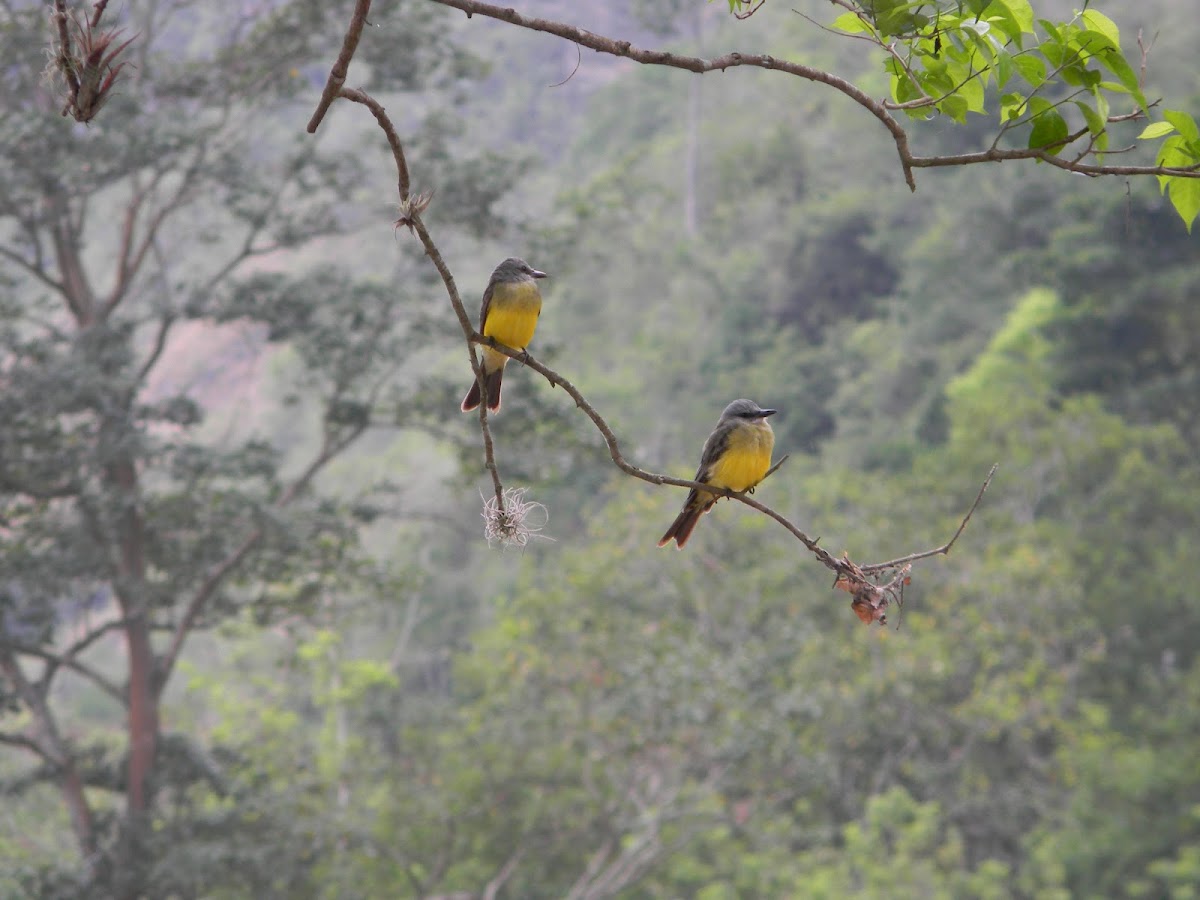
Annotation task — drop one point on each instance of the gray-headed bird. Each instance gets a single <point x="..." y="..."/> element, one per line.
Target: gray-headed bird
<point x="511" y="306"/>
<point x="736" y="456"/>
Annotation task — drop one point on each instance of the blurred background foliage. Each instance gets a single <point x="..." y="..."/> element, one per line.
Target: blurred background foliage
<point x="379" y="705"/>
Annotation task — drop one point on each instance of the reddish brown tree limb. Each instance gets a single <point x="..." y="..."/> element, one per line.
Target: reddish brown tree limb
<point x="385" y="123"/>
<point x="61" y="660"/>
<point x="337" y="75"/>
<point x="64" y="57"/>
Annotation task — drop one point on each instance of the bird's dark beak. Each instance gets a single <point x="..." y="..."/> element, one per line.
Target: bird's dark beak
<point x="767" y="412"/>
<point x="536" y="274"/>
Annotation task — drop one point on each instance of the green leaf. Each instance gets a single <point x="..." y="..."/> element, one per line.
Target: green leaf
<point x="1013" y="17"/>
<point x="1049" y="130"/>
<point x="1185" y="197"/>
<point x="1051" y="29"/>
<point x="1053" y="51"/>
<point x="850" y="23"/>
<point x="972" y="91"/>
<point x="1176" y="153"/>
<point x="956" y="107"/>
<point x="1095" y="122"/>
<point x="1156" y="130"/>
<point x="1102" y="108"/>
<point x="978" y="27"/>
<point x="1079" y="75"/>
<point x="1097" y="21"/>
<point x="1183" y="123"/>
<point x="1022" y="12"/>
<point x="1011" y="106"/>
<point x="903" y="90"/>
<point x="1004" y="68"/>
<point x="1031" y="68"/>
<point x="1116" y="64"/>
<point x="1094" y="43"/>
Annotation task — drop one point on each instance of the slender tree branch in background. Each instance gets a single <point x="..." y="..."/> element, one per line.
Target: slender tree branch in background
<point x="68" y="661"/>
<point x="337" y="75"/>
<point x="385" y="123"/>
<point x="34" y="269"/>
<point x="506" y="871"/>
<point x="25" y="742"/>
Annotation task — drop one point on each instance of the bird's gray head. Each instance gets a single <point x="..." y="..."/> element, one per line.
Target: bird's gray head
<point x="515" y="269"/>
<point x="746" y="410"/>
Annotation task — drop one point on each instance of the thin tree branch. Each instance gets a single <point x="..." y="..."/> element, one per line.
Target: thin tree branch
<point x="945" y="548"/>
<point x="92" y="636"/>
<point x="64" y="55"/>
<point x="381" y="116"/>
<point x="506" y="871"/>
<point x="129" y="266"/>
<point x="160" y="343"/>
<point x="33" y="269"/>
<point x="337" y="75"/>
<point x="995" y="155"/>
<point x="39" y="492"/>
<point x="54" y="661"/>
<point x="27" y="743"/>
<point x="489" y="451"/>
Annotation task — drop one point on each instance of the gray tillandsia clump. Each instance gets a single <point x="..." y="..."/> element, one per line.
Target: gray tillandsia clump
<point x="507" y="521"/>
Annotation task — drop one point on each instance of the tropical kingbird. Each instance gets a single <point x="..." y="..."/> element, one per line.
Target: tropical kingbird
<point x="736" y="456"/>
<point x="511" y="306"/>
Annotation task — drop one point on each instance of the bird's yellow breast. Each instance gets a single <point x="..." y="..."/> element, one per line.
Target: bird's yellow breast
<point x="746" y="458"/>
<point x="513" y="314"/>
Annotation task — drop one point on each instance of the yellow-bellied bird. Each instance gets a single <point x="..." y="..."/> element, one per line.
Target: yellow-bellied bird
<point x="736" y="456"/>
<point x="511" y="306"/>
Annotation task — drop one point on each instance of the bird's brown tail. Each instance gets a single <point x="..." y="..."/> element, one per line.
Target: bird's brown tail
<point x="681" y="529"/>
<point x="494" y="380"/>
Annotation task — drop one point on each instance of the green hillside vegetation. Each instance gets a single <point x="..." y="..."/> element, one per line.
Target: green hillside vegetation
<point x="381" y="705"/>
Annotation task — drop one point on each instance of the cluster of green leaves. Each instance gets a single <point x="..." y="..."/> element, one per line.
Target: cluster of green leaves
<point x="946" y="56"/>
